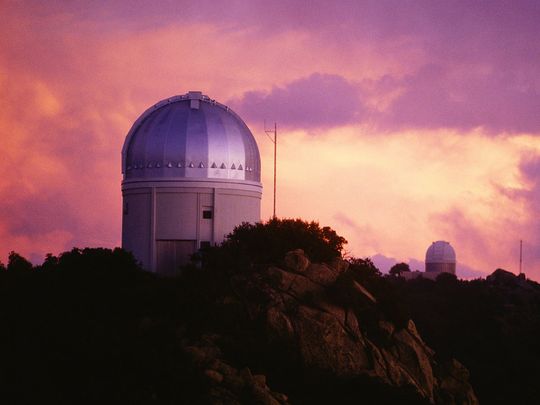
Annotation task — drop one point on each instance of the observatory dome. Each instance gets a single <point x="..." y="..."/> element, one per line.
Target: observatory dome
<point x="192" y="173"/>
<point x="441" y="257"/>
<point x="190" y="136"/>
<point x="440" y="252"/>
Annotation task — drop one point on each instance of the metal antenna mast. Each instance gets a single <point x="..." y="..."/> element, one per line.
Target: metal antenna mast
<point x="520" y="255"/>
<point x="274" y="140"/>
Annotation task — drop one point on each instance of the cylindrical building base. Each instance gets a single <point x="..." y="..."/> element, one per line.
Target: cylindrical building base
<point x="165" y="222"/>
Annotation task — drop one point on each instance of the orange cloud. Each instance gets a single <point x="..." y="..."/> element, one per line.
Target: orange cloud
<point x="73" y="83"/>
<point x="408" y="189"/>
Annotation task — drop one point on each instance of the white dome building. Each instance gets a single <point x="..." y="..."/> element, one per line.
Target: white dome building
<point x="191" y="173"/>
<point x="441" y="258"/>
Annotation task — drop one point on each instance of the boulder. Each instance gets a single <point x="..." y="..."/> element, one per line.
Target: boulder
<point x="352" y="325"/>
<point x="336" y="311"/>
<point x="324" y="345"/>
<point x="296" y="261"/>
<point x="279" y="327"/>
<point x="454" y="386"/>
<point x="321" y="274"/>
<point x="415" y="360"/>
<point x="214" y="376"/>
<point x="293" y="283"/>
<point x="307" y="322"/>
<point x="279" y="279"/>
<point x="387" y="329"/>
<point x="226" y="384"/>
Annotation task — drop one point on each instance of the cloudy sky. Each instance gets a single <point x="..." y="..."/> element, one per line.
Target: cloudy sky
<point x="400" y="122"/>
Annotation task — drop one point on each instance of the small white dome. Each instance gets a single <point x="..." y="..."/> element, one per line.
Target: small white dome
<point x="440" y="252"/>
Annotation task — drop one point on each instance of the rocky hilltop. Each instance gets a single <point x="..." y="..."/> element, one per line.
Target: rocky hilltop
<point x="253" y="321"/>
<point x="491" y="325"/>
<point x="313" y="325"/>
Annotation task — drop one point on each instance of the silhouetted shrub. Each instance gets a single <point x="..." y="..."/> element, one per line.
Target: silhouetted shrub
<point x="386" y="292"/>
<point x="17" y="263"/>
<point x="399" y="268"/>
<point x="491" y="326"/>
<point x="267" y="243"/>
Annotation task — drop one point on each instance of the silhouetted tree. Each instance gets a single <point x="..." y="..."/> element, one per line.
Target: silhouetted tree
<point x="399" y="268"/>
<point x="50" y="263"/>
<point x="447" y="279"/>
<point x="265" y="243"/>
<point x="491" y="326"/>
<point x="17" y="263"/>
<point x="365" y="270"/>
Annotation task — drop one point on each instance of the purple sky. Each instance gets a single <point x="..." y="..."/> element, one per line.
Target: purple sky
<point x="418" y="120"/>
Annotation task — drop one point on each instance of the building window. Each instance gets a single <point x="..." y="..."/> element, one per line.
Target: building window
<point x="207" y="214"/>
<point x="205" y="244"/>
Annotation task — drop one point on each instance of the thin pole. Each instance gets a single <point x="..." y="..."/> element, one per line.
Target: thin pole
<point x="275" y="166"/>
<point x="520" y="255"/>
<point x="274" y="140"/>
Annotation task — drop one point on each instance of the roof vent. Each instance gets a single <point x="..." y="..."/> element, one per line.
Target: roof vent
<point x="194" y="99"/>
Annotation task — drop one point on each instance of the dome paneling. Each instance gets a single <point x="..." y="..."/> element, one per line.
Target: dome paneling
<point x="440" y="252"/>
<point x="190" y="136"/>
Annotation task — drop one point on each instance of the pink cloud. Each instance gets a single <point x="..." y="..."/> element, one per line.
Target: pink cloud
<point x="430" y="98"/>
<point x="438" y="97"/>
<point x="486" y="247"/>
<point x="74" y="76"/>
<point x="530" y="169"/>
<point x="318" y="101"/>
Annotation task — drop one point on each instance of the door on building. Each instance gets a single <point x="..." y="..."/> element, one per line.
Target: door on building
<point x="171" y="254"/>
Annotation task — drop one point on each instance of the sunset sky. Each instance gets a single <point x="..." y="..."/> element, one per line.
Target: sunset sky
<point x="400" y="122"/>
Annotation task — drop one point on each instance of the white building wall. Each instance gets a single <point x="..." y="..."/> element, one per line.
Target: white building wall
<point x="176" y="214"/>
<point x="234" y="208"/>
<point x="441" y="268"/>
<point x="136" y="224"/>
<point x="164" y="223"/>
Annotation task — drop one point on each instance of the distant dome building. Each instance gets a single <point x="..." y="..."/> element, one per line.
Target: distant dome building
<point x="441" y="258"/>
<point x="191" y="173"/>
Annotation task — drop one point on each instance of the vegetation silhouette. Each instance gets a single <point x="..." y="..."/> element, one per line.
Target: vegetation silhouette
<point x="399" y="268"/>
<point x="90" y="325"/>
<point x="18" y="264"/>
<point x="490" y="325"/>
<point x="267" y="243"/>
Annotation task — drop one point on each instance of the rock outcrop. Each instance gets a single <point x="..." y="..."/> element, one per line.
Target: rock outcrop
<point x="302" y="311"/>
<point x="225" y="384"/>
